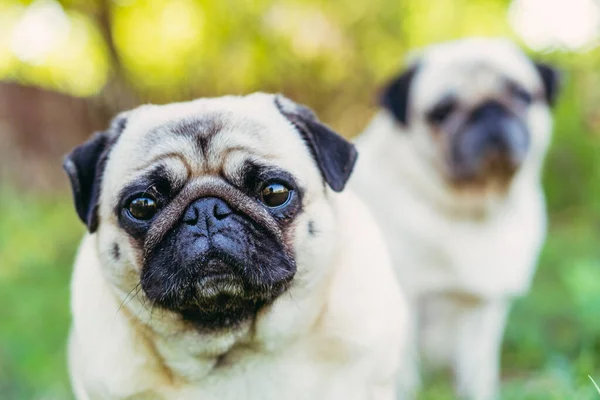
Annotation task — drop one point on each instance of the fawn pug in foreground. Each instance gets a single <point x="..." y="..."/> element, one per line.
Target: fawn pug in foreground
<point x="224" y="261"/>
<point x="451" y="169"/>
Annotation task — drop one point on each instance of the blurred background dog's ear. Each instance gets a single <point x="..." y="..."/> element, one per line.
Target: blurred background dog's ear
<point x="395" y="95"/>
<point x="551" y="78"/>
<point x="85" y="168"/>
<point x="334" y="155"/>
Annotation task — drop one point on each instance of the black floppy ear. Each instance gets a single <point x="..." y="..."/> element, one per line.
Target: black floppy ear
<point x="85" y="167"/>
<point x="334" y="155"/>
<point x="395" y="95"/>
<point x="551" y="79"/>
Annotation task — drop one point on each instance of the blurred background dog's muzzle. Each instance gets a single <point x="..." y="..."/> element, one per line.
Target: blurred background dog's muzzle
<point x="492" y="144"/>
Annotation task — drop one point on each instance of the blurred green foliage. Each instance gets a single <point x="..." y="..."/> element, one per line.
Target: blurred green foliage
<point x="38" y="239"/>
<point x="331" y="55"/>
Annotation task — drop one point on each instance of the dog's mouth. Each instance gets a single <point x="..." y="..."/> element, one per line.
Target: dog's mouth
<point x="223" y="301"/>
<point x="495" y="170"/>
<point x="500" y="166"/>
<point x="219" y="294"/>
<point x="218" y="278"/>
<point x="485" y="170"/>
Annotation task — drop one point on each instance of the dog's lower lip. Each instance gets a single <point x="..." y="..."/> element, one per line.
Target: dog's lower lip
<point x="221" y="283"/>
<point x="224" y="276"/>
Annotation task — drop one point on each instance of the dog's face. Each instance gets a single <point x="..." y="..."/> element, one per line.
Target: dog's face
<point x="210" y="207"/>
<point x="477" y="109"/>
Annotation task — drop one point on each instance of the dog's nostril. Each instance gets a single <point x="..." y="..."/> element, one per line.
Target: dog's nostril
<point x="221" y="210"/>
<point x="205" y="211"/>
<point x="191" y="216"/>
<point x="496" y="142"/>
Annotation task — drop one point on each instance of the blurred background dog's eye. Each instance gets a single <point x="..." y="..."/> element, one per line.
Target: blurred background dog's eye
<point x="521" y="94"/>
<point x="441" y="112"/>
<point x="275" y="195"/>
<point x="142" y="208"/>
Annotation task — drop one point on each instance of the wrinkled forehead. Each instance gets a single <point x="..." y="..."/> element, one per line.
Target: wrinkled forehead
<point x="202" y="138"/>
<point x="471" y="70"/>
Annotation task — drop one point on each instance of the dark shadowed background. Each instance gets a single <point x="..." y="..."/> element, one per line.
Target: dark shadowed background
<point x="67" y="66"/>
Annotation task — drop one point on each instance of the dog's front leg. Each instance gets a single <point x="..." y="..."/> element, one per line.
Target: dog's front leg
<point x="409" y="378"/>
<point x="477" y="357"/>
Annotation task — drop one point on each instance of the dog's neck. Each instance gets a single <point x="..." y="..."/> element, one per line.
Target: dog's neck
<point x="388" y="145"/>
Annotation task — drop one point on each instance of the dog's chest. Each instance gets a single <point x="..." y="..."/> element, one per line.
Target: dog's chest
<point x="293" y="374"/>
<point x="489" y="258"/>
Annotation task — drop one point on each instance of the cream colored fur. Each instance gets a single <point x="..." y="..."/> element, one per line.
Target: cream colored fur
<point x="337" y="333"/>
<point x="461" y="256"/>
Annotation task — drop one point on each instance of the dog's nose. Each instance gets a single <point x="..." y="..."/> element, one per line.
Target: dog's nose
<point x="495" y="128"/>
<point x="496" y="141"/>
<point x="206" y="212"/>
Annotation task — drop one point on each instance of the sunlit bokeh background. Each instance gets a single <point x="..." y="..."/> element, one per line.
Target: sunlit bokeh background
<point x="67" y="66"/>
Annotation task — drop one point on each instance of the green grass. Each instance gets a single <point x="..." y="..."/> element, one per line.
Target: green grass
<point x="595" y="384"/>
<point x="551" y="349"/>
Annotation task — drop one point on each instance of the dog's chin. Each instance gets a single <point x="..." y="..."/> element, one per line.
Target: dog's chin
<point x="222" y="303"/>
<point x="493" y="176"/>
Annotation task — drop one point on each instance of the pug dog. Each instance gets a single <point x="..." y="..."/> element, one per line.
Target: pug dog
<point x="451" y="168"/>
<point x="223" y="261"/>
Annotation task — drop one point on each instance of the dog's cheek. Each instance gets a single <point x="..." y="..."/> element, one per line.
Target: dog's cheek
<point x="433" y="146"/>
<point x="539" y="122"/>
<point x="313" y="240"/>
<point x="120" y="258"/>
<point x="438" y="147"/>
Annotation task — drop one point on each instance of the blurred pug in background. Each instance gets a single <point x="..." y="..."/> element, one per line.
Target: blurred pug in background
<point x="222" y="261"/>
<point x="451" y="169"/>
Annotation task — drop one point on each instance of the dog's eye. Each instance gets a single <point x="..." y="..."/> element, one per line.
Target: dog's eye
<point x="275" y="194"/>
<point x="521" y="94"/>
<point x="142" y="208"/>
<point x="439" y="113"/>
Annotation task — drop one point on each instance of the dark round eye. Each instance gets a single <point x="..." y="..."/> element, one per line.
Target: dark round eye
<point x="275" y="195"/>
<point x="521" y="94"/>
<point x="142" y="208"/>
<point x="440" y="112"/>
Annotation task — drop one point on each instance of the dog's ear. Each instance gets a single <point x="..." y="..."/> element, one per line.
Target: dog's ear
<point x="85" y="168"/>
<point x="396" y="94"/>
<point x="334" y="155"/>
<point x="551" y="79"/>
